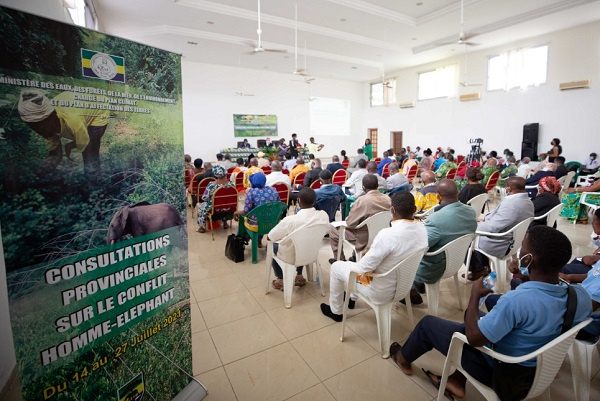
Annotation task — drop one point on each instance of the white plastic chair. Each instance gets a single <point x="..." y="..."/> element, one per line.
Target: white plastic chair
<point x="500" y="264"/>
<point x="405" y="272"/>
<point x="584" y="201"/>
<point x="477" y="204"/>
<point x="581" y="355"/>
<point x="307" y="242"/>
<point x="583" y="179"/>
<point x="549" y="359"/>
<point x="374" y="224"/>
<point x="455" y="256"/>
<point x="551" y="215"/>
<point x="425" y="213"/>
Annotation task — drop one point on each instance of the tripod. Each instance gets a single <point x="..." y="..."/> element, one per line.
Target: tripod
<point x="474" y="154"/>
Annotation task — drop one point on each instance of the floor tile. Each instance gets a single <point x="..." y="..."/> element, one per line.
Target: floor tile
<point x="303" y="317"/>
<point x="198" y="323"/>
<point x="228" y="308"/>
<point x="204" y="353"/>
<point x="259" y="333"/>
<point x="217" y="287"/>
<point x="208" y="270"/>
<point x="316" y="393"/>
<point x="327" y="355"/>
<point x="365" y="325"/>
<point x="275" y="374"/>
<point x="218" y="386"/>
<point x="274" y="299"/>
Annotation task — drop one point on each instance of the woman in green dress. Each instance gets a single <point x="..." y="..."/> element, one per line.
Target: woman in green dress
<point x="572" y="209"/>
<point x="368" y="148"/>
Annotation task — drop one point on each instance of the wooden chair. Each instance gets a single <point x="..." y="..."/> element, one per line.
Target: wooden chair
<point x="283" y="190"/>
<point x="412" y="173"/>
<point x="385" y="173"/>
<point x="192" y="189"/>
<point x="285" y="171"/>
<point x="460" y="159"/>
<point x="189" y="174"/>
<point x="266" y="170"/>
<point x="339" y="177"/>
<point x="402" y="166"/>
<point x="346" y="163"/>
<point x="377" y="160"/>
<point x="490" y="186"/>
<point x="239" y="182"/>
<point x="225" y="200"/>
<point x="230" y="172"/>
<point x="299" y="179"/>
<point x="200" y="190"/>
<point x="316" y="184"/>
<point x="451" y="174"/>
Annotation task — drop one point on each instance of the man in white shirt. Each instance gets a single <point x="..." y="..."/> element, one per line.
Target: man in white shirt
<point x="227" y="163"/>
<point x="354" y="183"/>
<point x="262" y="162"/>
<point x="524" y="168"/>
<point x="390" y="246"/>
<point x="289" y="162"/>
<point x="307" y="216"/>
<point x="396" y="178"/>
<point x="591" y="164"/>
<point x="277" y="176"/>
<point x="354" y="163"/>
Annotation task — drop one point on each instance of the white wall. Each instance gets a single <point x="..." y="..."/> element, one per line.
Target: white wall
<point x="52" y="9"/>
<point x="498" y="118"/>
<point x="209" y="103"/>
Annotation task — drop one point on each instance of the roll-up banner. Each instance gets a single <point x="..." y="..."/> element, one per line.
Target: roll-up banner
<point x="92" y="213"/>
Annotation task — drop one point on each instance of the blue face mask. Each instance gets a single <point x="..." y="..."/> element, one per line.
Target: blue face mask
<point x="524" y="269"/>
<point x="596" y="239"/>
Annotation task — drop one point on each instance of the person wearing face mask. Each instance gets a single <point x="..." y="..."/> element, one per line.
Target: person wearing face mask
<point x="546" y="198"/>
<point x="534" y="180"/>
<point x="577" y="270"/>
<point x="591" y="164"/>
<point x="555" y="151"/>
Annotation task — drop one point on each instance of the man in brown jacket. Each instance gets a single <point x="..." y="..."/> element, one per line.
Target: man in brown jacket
<point x="372" y="202"/>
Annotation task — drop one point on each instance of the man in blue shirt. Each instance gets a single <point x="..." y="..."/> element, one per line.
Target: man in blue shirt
<point x="327" y="189"/>
<point x="522" y="321"/>
<point x="335" y="164"/>
<point x="382" y="163"/>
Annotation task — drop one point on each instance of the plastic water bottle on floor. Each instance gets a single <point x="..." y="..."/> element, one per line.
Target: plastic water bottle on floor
<point x="488" y="282"/>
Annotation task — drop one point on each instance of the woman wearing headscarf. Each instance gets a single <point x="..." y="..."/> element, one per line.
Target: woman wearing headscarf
<point x="221" y="180"/>
<point x="257" y="195"/>
<point x="426" y="162"/>
<point x="546" y="198"/>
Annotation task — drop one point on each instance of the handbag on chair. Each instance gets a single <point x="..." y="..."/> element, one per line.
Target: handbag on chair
<point x="234" y="248"/>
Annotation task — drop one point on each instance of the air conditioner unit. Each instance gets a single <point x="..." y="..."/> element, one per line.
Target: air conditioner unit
<point x="574" y="85"/>
<point x="407" y="105"/>
<point x="470" y="96"/>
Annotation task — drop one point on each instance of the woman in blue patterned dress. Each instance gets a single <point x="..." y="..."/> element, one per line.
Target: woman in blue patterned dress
<point x="203" y="208"/>
<point x="258" y="195"/>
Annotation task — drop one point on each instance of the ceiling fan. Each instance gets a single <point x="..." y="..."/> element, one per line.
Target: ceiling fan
<point x="463" y="37"/>
<point x="307" y="80"/>
<point x="298" y="71"/>
<point x="257" y="48"/>
<point x="464" y="82"/>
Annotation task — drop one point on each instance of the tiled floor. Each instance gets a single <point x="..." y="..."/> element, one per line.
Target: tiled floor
<point x="248" y="346"/>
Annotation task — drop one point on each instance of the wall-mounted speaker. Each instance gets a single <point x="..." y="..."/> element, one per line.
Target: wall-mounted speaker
<point x="530" y="132"/>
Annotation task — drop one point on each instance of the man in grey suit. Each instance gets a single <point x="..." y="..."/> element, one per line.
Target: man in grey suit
<point x="451" y="220"/>
<point x="513" y="209"/>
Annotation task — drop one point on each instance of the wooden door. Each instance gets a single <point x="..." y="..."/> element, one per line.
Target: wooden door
<point x="372" y="135"/>
<point x="396" y="140"/>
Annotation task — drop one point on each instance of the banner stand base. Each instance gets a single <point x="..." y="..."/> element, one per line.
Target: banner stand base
<point x="194" y="391"/>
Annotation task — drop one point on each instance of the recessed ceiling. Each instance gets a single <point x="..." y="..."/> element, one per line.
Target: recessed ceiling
<point x="371" y="35"/>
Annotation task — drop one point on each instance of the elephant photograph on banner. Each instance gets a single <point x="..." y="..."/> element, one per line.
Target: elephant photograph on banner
<point x="140" y="219"/>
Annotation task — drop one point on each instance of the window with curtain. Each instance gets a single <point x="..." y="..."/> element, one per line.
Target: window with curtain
<point x="438" y="83"/>
<point x="518" y="68"/>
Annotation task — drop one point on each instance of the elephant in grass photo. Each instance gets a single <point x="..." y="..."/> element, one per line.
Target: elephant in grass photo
<point x="140" y="219"/>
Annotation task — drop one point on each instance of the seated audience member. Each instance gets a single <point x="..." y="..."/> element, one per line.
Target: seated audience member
<point x="335" y="165"/>
<point x="494" y="155"/>
<point x="313" y="174"/>
<point x="524" y="168"/>
<point x="396" y="180"/>
<point x="442" y="170"/>
<point x="262" y="161"/>
<point x="219" y="161"/>
<point x="252" y="169"/>
<point x="306" y="217"/>
<point x="227" y="163"/>
<point x="299" y="168"/>
<point x="412" y="160"/>
<point x="513" y="209"/>
<point x="239" y="168"/>
<point x="451" y="220"/>
<point x="523" y="321"/>
<point x="577" y="270"/>
<point x="256" y="196"/>
<point x="386" y="160"/>
<point x="590" y="166"/>
<point x="441" y="159"/>
<point x="354" y="163"/>
<point x="560" y="169"/>
<point x="328" y="189"/>
<point x="491" y="166"/>
<point x="372" y="169"/>
<point x="372" y="202"/>
<point x="572" y="209"/>
<point x="250" y="157"/>
<point x="546" y="198"/>
<point x="188" y="162"/>
<point x="426" y="197"/>
<point x="208" y="172"/>
<point x="198" y="166"/>
<point x="401" y="157"/>
<point x="508" y="171"/>
<point x="426" y="162"/>
<point x="547" y="171"/>
<point x="543" y="158"/>
<point x="474" y="186"/>
<point x="390" y="246"/>
<point x="343" y="154"/>
<point x="289" y="162"/>
<point x="277" y="176"/>
<point x="220" y="174"/>
<point x="353" y="184"/>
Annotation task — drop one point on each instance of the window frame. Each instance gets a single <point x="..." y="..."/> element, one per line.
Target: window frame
<point x="451" y="84"/>
<point x="529" y="85"/>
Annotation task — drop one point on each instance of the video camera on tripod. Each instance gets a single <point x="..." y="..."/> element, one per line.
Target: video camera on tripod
<point x="475" y="153"/>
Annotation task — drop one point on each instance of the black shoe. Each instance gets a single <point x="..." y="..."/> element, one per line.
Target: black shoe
<point x="414" y="300"/>
<point x="352" y="258"/>
<point x="332" y="261"/>
<point x="351" y="302"/>
<point x="420" y="287"/>
<point x="326" y="309"/>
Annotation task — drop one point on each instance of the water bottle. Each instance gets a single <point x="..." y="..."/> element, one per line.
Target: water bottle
<point x="488" y="282"/>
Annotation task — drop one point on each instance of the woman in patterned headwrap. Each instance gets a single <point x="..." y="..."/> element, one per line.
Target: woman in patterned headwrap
<point x="546" y="198"/>
<point x="203" y="208"/>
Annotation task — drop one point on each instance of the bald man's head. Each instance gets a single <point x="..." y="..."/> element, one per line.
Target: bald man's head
<point x="393" y="167"/>
<point x="254" y="162"/>
<point x="276" y="165"/>
<point x="492" y="162"/>
<point x="370" y="182"/>
<point x="448" y="191"/>
<point x="428" y="177"/>
<point x="372" y="168"/>
<point x="317" y="163"/>
<point x="299" y="160"/>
